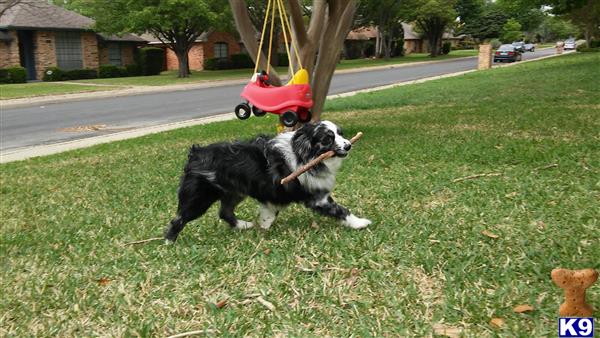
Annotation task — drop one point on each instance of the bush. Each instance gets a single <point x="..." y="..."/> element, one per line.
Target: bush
<point x="283" y="60"/>
<point x="151" y="60"/>
<point x="594" y="43"/>
<point x="13" y="75"/>
<point x="241" y="61"/>
<point x="133" y="70"/>
<point x="80" y="74"/>
<point x="107" y="71"/>
<point x="495" y="43"/>
<point x="446" y="47"/>
<point x="53" y="74"/>
<point x="217" y="64"/>
<point x="584" y="49"/>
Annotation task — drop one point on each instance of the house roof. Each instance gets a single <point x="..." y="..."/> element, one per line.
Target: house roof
<point x="38" y="14"/>
<point x="153" y="40"/>
<point x="122" y="38"/>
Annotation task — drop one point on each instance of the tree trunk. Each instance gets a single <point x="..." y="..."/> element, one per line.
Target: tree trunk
<point x="182" y="59"/>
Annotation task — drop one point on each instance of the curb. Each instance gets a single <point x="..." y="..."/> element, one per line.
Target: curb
<point x="44" y="150"/>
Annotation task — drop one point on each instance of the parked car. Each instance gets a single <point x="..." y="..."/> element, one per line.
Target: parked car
<point x="519" y="45"/>
<point x="507" y="53"/>
<point x="570" y="44"/>
<point x="529" y="47"/>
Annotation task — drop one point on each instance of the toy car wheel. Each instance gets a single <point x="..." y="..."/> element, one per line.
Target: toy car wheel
<point x="242" y="111"/>
<point x="258" y="112"/>
<point x="307" y="117"/>
<point x="289" y="118"/>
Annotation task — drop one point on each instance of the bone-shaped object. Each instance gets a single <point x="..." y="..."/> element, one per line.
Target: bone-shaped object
<point x="574" y="282"/>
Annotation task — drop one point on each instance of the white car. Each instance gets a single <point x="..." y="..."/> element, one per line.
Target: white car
<point x="570" y="44"/>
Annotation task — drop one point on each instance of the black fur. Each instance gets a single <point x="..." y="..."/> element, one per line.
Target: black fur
<point x="228" y="172"/>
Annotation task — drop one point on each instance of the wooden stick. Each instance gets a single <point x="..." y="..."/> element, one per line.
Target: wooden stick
<point x="316" y="161"/>
<point x="476" y="176"/>
<point x="144" y="241"/>
<point x="191" y="333"/>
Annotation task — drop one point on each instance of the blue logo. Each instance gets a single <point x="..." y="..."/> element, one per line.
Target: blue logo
<point x="575" y="327"/>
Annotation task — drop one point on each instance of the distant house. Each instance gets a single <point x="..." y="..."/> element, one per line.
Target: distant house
<point x="38" y="35"/>
<point x="362" y="41"/>
<point x="210" y="44"/>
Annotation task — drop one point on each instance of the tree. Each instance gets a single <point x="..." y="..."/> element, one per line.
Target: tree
<point x="319" y="43"/>
<point x="488" y="25"/>
<point x="554" y="28"/>
<point x="511" y="31"/>
<point x="176" y="23"/>
<point x="387" y="16"/>
<point x="469" y="10"/>
<point x="585" y="14"/>
<point x="432" y="17"/>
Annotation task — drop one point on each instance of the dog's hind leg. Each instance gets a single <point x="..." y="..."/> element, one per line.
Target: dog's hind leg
<point x="192" y="204"/>
<point x="228" y="204"/>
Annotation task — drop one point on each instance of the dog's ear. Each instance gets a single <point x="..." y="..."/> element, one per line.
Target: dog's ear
<point x="302" y="140"/>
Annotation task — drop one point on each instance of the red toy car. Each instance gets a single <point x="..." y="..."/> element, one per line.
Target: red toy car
<point x="291" y="102"/>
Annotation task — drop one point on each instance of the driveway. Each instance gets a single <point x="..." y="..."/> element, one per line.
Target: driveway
<point x="58" y="122"/>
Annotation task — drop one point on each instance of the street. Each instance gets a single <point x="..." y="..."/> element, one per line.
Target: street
<point x="30" y="126"/>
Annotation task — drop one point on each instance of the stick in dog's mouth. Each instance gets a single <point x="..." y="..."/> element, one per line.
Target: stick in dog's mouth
<point x="316" y="161"/>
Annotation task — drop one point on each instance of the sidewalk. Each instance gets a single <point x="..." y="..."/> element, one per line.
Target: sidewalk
<point x="138" y="90"/>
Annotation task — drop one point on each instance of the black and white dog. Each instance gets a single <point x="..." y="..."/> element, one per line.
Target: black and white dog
<point x="231" y="171"/>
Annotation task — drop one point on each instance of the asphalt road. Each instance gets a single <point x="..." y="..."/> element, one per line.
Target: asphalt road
<point x="30" y="126"/>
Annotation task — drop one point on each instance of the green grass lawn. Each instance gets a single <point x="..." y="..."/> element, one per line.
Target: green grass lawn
<point x="423" y="261"/>
<point x="18" y="90"/>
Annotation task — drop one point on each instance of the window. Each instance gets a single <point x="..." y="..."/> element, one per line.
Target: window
<point x="68" y="50"/>
<point x="221" y="50"/>
<point x="114" y="54"/>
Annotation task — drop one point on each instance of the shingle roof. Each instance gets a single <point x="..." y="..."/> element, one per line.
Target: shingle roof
<point x="39" y="14"/>
<point x="123" y="38"/>
<point x="154" y="40"/>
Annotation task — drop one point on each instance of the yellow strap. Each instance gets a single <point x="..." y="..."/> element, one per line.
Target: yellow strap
<point x="287" y="46"/>
<point x="271" y="39"/>
<point x="288" y="26"/>
<point x="262" y="37"/>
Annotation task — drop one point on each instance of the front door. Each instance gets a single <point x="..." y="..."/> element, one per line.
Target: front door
<point x="26" y="53"/>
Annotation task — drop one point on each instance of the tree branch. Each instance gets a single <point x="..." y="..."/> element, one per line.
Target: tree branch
<point x="298" y="23"/>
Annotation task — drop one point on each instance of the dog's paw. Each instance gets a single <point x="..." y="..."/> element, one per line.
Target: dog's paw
<point x="354" y="222"/>
<point x="169" y="241"/>
<point x="242" y="225"/>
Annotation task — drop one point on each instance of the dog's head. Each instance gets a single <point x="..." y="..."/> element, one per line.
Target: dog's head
<point x="315" y="139"/>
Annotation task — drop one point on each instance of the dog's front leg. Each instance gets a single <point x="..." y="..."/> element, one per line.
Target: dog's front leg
<point x="267" y="215"/>
<point x="328" y="207"/>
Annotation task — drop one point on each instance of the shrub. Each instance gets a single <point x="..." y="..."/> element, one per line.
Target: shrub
<point x="217" y="64"/>
<point x="584" y="49"/>
<point x="151" y="60"/>
<point x="241" y="61"/>
<point x="446" y="47"/>
<point x="133" y="70"/>
<point x="107" y="71"/>
<point x="53" y="74"/>
<point x="80" y="74"/>
<point x="495" y="43"/>
<point x="594" y="43"/>
<point x="283" y="60"/>
<point x="13" y="75"/>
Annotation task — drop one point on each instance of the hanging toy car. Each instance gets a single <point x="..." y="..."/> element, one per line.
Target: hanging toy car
<point x="291" y="102"/>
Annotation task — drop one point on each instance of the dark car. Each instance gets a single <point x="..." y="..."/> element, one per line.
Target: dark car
<point x="519" y="45"/>
<point x="507" y="53"/>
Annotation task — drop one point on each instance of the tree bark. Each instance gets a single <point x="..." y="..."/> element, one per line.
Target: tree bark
<point x="182" y="59"/>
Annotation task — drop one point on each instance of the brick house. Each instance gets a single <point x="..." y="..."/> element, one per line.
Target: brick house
<point x="38" y="35"/>
<point x="210" y="44"/>
<point x="358" y="40"/>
